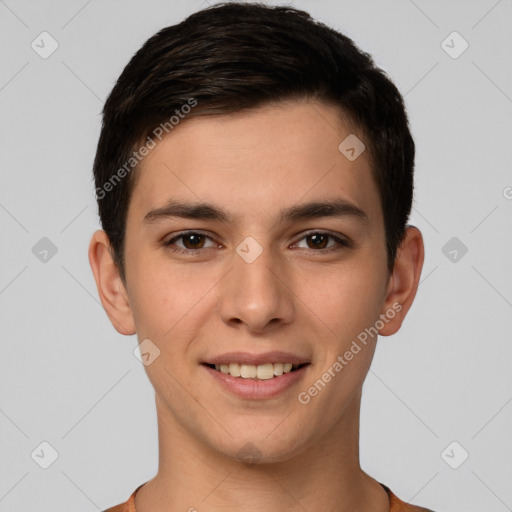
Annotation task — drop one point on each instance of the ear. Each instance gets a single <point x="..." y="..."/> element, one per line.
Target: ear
<point x="111" y="288"/>
<point x="403" y="282"/>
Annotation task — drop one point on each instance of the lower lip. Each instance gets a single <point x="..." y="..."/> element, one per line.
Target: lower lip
<point x="254" y="389"/>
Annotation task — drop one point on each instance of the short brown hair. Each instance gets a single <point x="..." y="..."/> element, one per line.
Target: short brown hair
<point x="231" y="57"/>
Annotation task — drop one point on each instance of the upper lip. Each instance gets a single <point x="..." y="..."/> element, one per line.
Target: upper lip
<point x="257" y="359"/>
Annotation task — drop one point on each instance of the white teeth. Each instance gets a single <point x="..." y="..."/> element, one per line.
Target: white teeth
<point x="278" y="369"/>
<point x="234" y="369"/>
<point x="249" y="371"/>
<point x="265" y="371"/>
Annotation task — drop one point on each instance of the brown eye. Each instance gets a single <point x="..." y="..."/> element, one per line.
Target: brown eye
<point x="319" y="240"/>
<point x="192" y="241"/>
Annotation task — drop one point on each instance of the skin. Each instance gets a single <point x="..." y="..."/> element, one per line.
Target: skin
<point x="291" y="298"/>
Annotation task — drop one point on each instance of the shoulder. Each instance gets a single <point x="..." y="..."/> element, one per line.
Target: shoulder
<point x="397" y="505"/>
<point x="118" y="508"/>
<point x="127" y="506"/>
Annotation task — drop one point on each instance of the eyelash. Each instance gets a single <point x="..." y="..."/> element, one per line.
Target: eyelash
<point x="341" y="243"/>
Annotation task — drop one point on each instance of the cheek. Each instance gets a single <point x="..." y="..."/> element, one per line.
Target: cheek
<point x="345" y="299"/>
<point x="154" y="302"/>
<point x="168" y="303"/>
<point x="159" y="307"/>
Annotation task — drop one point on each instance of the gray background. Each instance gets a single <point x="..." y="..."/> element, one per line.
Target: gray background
<point x="68" y="378"/>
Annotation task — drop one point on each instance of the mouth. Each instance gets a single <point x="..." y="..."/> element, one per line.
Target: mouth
<point x="266" y="371"/>
<point x="261" y="381"/>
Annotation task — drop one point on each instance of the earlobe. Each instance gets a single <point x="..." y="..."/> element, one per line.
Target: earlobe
<point x="404" y="281"/>
<point x="111" y="289"/>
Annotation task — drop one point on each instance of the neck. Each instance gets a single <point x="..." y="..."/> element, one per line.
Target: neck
<point x="194" y="476"/>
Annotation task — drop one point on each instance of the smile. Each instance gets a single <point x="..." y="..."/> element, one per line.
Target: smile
<point x="259" y="382"/>
<point x="261" y="372"/>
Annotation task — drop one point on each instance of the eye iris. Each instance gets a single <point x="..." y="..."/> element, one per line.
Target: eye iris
<point x="193" y="236"/>
<point x="193" y="240"/>
<point x="316" y="238"/>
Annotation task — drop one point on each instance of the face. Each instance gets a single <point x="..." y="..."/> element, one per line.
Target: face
<point x="269" y="275"/>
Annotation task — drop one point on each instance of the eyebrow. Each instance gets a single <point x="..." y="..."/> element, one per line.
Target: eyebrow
<point x="205" y="211"/>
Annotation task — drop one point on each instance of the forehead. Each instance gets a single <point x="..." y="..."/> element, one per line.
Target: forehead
<point x="254" y="163"/>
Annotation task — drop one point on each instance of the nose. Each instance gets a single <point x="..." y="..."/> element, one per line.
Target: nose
<point x="257" y="293"/>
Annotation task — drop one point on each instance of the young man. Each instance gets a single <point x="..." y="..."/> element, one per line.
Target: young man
<point x="254" y="176"/>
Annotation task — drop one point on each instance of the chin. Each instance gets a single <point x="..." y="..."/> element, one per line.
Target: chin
<point x="257" y="450"/>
